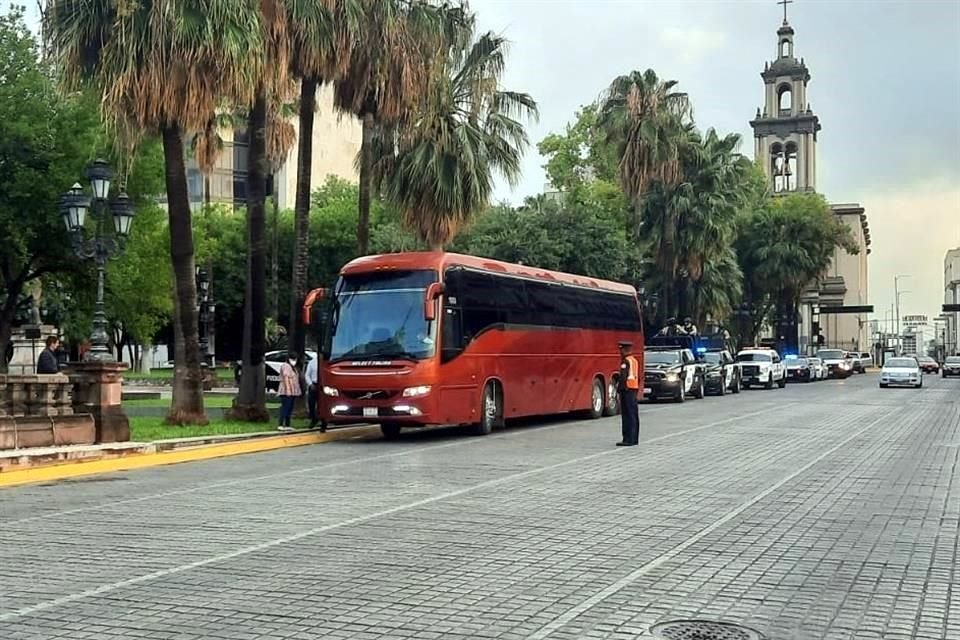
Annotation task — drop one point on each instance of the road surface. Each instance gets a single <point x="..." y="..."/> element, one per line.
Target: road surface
<point x="825" y="510"/>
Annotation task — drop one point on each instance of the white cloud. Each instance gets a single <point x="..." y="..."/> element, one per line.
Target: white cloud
<point x="692" y="43"/>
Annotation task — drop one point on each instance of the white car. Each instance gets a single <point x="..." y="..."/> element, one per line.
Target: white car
<point x="760" y="366"/>
<point x="901" y="372"/>
<point x="819" y="368"/>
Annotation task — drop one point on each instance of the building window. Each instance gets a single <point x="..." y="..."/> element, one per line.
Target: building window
<point x="785" y="99"/>
<point x="784" y="48"/>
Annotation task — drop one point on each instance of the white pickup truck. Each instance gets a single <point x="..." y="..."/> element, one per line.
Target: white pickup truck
<point x="760" y="366"/>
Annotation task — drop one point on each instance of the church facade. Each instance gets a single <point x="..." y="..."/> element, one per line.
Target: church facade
<point x="785" y="144"/>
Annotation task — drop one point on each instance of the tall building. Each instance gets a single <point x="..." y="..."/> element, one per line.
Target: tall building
<point x="951" y="295"/>
<point x="336" y="141"/>
<point x="785" y="143"/>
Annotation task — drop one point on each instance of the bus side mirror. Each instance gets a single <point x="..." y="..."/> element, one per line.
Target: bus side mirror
<point x="316" y="316"/>
<point x="434" y="291"/>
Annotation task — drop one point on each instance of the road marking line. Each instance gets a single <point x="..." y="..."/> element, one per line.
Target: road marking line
<point x="155" y="575"/>
<point x="625" y="581"/>
<point x="229" y="483"/>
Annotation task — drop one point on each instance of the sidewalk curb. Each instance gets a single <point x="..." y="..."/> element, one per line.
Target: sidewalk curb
<point x="130" y="456"/>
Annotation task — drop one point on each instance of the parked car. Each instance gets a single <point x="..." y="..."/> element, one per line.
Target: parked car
<point x="928" y="364"/>
<point x="799" y="369"/>
<point x="272" y="361"/>
<point x="819" y="369"/>
<point x="838" y="365"/>
<point x="760" y="366"/>
<point x="951" y="366"/>
<point x="866" y="360"/>
<point x="672" y="372"/>
<point x="721" y="372"/>
<point x="901" y="372"/>
<point x="856" y="364"/>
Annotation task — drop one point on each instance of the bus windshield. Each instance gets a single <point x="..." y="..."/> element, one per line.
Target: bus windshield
<point x="380" y="315"/>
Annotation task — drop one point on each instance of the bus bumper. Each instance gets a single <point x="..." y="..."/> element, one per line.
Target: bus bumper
<point x="412" y="411"/>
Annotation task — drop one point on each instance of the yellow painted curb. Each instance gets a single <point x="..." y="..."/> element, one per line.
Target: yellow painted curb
<point x="61" y="471"/>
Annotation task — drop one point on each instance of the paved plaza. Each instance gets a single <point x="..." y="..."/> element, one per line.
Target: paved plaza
<point x="827" y="510"/>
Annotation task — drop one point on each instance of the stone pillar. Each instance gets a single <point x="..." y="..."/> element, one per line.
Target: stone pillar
<point x="98" y="391"/>
<point x="26" y="351"/>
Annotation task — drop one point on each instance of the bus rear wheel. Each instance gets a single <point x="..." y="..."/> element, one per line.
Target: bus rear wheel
<point x="612" y="405"/>
<point x="491" y="410"/>
<point x="597" y="398"/>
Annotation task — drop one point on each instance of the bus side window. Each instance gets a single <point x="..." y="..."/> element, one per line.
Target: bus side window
<point x="451" y="338"/>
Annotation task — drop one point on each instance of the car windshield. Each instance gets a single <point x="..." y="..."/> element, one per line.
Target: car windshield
<point x="830" y="354"/>
<point x="712" y="357"/>
<point x="797" y="362"/>
<point x="953" y="360"/>
<point x="925" y="359"/>
<point x="381" y="315"/>
<point x="753" y="357"/>
<point x="901" y="363"/>
<point x="661" y="357"/>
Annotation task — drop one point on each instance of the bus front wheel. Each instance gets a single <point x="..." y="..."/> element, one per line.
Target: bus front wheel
<point x="491" y="410"/>
<point x="598" y="399"/>
<point x="390" y="430"/>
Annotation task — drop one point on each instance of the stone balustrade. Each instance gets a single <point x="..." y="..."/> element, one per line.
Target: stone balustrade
<point x="39" y="411"/>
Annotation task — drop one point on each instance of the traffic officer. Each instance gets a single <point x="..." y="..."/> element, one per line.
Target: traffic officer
<point x="629" y="384"/>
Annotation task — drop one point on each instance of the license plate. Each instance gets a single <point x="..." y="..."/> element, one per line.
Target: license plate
<point x="370" y="412"/>
<point x="647" y="390"/>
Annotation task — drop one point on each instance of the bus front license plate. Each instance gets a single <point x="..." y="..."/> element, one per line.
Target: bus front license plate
<point x="369" y="412"/>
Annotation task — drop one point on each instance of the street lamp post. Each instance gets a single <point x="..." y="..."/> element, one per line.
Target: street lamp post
<point x="207" y="310"/>
<point x="102" y="245"/>
<point x="896" y="293"/>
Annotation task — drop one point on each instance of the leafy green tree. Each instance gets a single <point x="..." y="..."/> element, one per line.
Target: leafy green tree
<point x="442" y="175"/>
<point x="162" y="68"/>
<point x="784" y="246"/>
<point x="580" y="154"/>
<point x="46" y="139"/>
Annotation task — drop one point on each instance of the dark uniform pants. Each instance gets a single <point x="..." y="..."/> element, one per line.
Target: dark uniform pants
<point x="629" y="416"/>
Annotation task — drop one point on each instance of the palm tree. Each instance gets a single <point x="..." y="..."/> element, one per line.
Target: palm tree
<point x="162" y="67"/>
<point x="644" y="119"/>
<point x="442" y="173"/>
<point x="321" y="34"/>
<point x="388" y="71"/>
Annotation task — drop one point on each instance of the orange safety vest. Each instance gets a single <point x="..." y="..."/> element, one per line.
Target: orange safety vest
<point x="633" y="373"/>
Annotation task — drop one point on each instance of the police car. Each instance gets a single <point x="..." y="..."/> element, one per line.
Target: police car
<point x="671" y="371"/>
<point x="759" y="366"/>
<point x="272" y="361"/>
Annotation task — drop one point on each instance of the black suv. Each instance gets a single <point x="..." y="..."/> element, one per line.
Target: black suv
<point x="672" y="371"/>
<point x="721" y="372"/>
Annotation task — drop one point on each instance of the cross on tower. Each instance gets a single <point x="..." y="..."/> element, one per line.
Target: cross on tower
<point x="785" y="3"/>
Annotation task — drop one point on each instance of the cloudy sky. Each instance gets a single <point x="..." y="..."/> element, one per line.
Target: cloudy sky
<point x="885" y="83"/>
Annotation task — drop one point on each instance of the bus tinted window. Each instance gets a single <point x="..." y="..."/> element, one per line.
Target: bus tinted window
<point x="489" y="299"/>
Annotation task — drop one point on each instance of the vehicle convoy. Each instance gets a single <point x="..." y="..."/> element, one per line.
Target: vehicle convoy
<point x="903" y="371"/>
<point x="951" y="366"/>
<point x="671" y="370"/>
<point x="430" y="338"/>
<point x="838" y="365"/>
<point x="760" y="366"/>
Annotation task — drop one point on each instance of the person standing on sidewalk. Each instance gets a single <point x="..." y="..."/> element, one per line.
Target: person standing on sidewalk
<point x="312" y="380"/>
<point x="629" y="385"/>
<point x="289" y="391"/>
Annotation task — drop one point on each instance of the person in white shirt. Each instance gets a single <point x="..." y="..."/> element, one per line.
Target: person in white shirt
<point x="312" y="379"/>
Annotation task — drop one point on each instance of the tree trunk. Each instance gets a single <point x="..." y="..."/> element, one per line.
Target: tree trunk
<point x="366" y="177"/>
<point x="187" y="405"/>
<point x="8" y="313"/>
<point x="296" y="334"/>
<point x="274" y="260"/>
<point x="251" y="401"/>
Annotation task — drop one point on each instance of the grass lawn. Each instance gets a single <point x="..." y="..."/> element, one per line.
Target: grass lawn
<point x="148" y="429"/>
<point x="211" y="402"/>
<point x="223" y="373"/>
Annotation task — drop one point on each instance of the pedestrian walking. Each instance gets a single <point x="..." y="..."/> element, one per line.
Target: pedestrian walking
<point x="312" y="379"/>
<point x="47" y="362"/>
<point x="289" y="391"/>
<point x="629" y="384"/>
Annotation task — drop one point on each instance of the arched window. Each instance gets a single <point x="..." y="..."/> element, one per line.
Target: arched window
<point x="790" y="179"/>
<point x="785" y="98"/>
<point x="784" y="48"/>
<point x="776" y="167"/>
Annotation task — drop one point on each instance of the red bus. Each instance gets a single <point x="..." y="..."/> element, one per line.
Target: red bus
<point x="415" y="339"/>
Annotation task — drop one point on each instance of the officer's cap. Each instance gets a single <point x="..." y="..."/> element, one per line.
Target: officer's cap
<point x="624" y="343"/>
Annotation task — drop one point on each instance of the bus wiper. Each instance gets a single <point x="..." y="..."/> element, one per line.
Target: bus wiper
<point x="404" y="355"/>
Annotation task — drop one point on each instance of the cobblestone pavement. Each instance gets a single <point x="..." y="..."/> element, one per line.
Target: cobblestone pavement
<point x="825" y="510"/>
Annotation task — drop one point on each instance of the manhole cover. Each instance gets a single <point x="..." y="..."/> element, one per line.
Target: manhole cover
<point x="703" y="630"/>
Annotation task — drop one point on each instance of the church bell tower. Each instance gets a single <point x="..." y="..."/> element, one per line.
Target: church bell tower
<point x="785" y="130"/>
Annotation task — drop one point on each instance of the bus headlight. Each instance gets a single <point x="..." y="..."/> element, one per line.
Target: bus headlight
<point x="416" y="392"/>
<point x="330" y="391"/>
